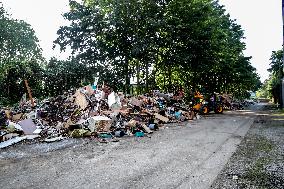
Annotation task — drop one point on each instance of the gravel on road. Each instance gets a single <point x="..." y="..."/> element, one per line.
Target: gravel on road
<point x="177" y="156"/>
<point x="259" y="160"/>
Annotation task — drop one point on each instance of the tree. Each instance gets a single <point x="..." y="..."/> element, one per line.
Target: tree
<point x="190" y="43"/>
<point x="112" y="37"/>
<point x="205" y="49"/>
<point x="60" y="76"/>
<point x="20" y="58"/>
<point x="276" y="74"/>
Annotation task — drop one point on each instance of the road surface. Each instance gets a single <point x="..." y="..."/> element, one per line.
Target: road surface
<point x="188" y="155"/>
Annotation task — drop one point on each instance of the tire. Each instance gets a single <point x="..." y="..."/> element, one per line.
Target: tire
<point x="204" y="110"/>
<point x="219" y="109"/>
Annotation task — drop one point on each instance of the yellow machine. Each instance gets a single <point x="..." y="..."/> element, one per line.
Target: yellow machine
<point x="198" y="103"/>
<point x="204" y="107"/>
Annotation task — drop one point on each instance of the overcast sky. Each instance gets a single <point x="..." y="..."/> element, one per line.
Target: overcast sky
<point x="45" y="16"/>
<point x="260" y="19"/>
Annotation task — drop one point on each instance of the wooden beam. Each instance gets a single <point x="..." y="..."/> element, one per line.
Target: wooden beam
<point x="30" y="93"/>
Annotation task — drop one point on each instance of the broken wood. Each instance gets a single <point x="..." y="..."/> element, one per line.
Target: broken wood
<point x="30" y="93"/>
<point x="161" y="118"/>
<point x="146" y="129"/>
<point x="81" y="100"/>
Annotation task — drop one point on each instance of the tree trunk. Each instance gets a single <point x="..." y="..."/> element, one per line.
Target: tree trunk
<point x="138" y="76"/>
<point x="147" y="76"/>
<point x="164" y="81"/>
<point x="127" y="78"/>
<point x="170" y="79"/>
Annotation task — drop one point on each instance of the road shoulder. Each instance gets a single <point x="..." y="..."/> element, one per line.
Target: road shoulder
<point x="258" y="161"/>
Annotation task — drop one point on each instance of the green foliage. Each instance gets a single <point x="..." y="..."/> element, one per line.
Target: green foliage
<point x="271" y="87"/>
<point x="60" y="76"/>
<point x="192" y="43"/>
<point x="161" y="43"/>
<point x="263" y="92"/>
<point x="20" y="58"/>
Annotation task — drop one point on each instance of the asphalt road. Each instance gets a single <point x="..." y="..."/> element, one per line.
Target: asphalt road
<point x="177" y="156"/>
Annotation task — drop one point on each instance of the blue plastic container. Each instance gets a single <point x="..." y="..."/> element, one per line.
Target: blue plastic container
<point x="139" y="134"/>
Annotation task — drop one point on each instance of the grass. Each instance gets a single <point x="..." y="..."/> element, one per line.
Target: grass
<point x="277" y="119"/>
<point x="258" y="158"/>
<point x="257" y="175"/>
<point x="278" y="113"/>
<point x="258" y="149"/>
<point x="256" y="145"/>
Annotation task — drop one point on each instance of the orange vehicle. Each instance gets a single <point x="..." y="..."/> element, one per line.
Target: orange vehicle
<point x="198" y="101"/>
<point x="204" y="107"/>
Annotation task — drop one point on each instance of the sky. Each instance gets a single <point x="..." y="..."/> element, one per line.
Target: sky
<point x="261" y="21"/>
<point x="45" y="17"/>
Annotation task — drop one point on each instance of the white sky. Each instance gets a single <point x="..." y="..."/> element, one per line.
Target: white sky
<point x="45" y="17"/>
<point x="261" y="20"/>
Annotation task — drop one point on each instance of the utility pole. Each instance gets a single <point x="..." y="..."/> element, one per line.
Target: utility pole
<point x="281" y="67"/>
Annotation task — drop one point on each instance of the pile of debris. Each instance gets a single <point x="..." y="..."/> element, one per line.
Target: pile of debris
<point x="90" y="112"/>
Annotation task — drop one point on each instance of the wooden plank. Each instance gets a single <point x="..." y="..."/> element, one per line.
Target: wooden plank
<point x="146" y="129"/>
<point x="81" y="100"/>
<point x="30" y="93"/>
<point x="162" y="118"/>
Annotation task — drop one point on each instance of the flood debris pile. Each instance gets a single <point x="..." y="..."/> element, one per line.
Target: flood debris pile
<point x="87" y="112"/>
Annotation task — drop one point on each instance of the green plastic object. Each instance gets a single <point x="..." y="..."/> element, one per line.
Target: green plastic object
<point x="105" y="135"/>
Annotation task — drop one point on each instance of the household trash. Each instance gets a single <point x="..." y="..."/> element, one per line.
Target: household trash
<point x="54" y="139"/>
<point x="139" y="134"/>
<point x="28" y="126"/>
<point x="90" y="111"/>
<point x="12" y="141"/>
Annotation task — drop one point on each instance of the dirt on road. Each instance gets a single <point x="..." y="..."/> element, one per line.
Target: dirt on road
<point x="186" y="155"/>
